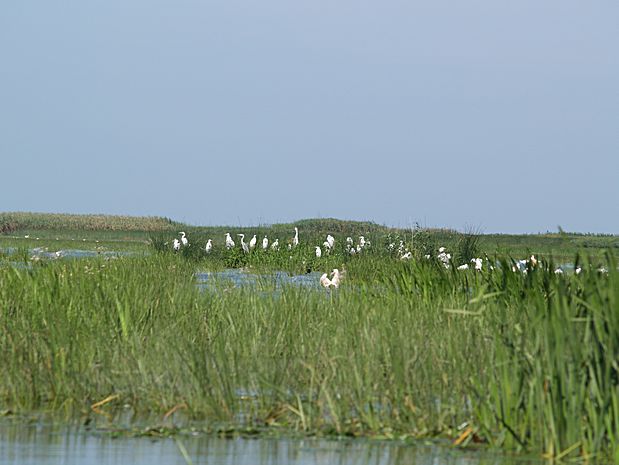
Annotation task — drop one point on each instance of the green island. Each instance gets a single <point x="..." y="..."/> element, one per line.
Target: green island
<point x="139" y="338"/>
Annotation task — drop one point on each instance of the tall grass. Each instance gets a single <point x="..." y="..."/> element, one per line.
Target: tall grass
<point x="527" y="361"/>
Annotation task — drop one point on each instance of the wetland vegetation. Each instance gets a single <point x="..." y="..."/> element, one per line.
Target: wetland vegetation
<point x="523" y="360"/>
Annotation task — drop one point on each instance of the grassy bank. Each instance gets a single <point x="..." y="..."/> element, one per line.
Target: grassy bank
<point x="522" y="361"/>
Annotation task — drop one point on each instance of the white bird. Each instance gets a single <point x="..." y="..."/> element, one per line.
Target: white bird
<point x="406" y="256"/>
<point x="349" y="241"/>
<point x="361" y="241"/>
<point x="209" y="246"/>
<point x="441" y="249"/>
<point x="252" y="242"/>
<point x="464" y="267"/>
<point x="558" y="271"/>
<point x="578" y="270"/>
<point x="330" y="240"/>
<point x="327" y="246"/>
<point x="478" y="263"/>
<point x="184" y="240"/>
<point x="335" y="278"/>
<point x="275" y="245"/>
<point x="265" y="243"/>
<point x="229" y="242"/>
<point x="176" y="245"/>
<point x="243" y="244"/>
<point x="325" y="281"/>
<point x="295" y="239"/>
<point x="318" y="251"/>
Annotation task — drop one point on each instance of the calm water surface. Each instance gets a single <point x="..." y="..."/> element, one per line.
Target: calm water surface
<point x="36" y="444"/>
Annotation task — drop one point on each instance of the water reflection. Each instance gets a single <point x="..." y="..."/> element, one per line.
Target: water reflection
<point x="20" y="444"/>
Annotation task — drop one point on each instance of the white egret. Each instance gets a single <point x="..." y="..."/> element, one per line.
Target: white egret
<point x="229" y="242"/>
<point x="265" y="243"/>
<point x="252" y="242"/>
<point x="406" y="256"/>
<point x="209" y="246"/>
<point x="330" y="240"/>
<point x="464" y="267"/>
<point x="578" y="270"/>
<point x="327" y="246"/>
<point x="325" y="281"/>
<point x="558" y="271"/>
<point x="361" y="241"/>
<point x="184" y="239"/>
<point x="478" y="263"/>
<point x="176" y="245"/>
<point x="295" y="239"/>
<point x="349" y="240"/>
<point x="243" y="244"/>
<point x="318" y="252"/>
<point x="335" y="278"/>
<point x="275" y="245"/>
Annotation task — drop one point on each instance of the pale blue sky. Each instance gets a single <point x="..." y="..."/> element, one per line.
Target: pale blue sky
<point x="499" y="115"/>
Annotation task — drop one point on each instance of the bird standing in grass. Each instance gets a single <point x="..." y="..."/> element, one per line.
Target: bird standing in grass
<point x="209" y="246"/>
<point x="229" y="242"/>
<point x="252" y="242"/>
<point x="184" y="239"/>
<point x="318" y="251"/>
<point x="275" y="245"/>
<point x="176" y="245"/>
<point x="243" y="244"/>
<point x="265" y="243"/>
<point x="295" y="239"/>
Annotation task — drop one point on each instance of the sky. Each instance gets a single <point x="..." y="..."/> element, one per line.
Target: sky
<point x="497" y="116"/>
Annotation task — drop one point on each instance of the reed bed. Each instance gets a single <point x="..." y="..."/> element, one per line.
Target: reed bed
<point x="28" y="221"/>
<point x="402" y="349"/>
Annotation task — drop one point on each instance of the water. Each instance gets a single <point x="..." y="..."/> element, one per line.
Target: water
<point x="240" y="278"/>
<point x="40" y="445"/>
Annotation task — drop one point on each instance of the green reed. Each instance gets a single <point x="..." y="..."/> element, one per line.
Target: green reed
<point x="402" y="349"/>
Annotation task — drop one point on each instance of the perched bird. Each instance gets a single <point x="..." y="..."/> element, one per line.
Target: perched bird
<point x="361" y="241"/>
<point x="478" y="263"/>
<point x="209" y="246"/>
<point x="349" y="241"/>
<point x="330" y="240"/>
<point x="229" y="242"/>
<point x="252" y="242"/>
<point x="406" y="256"/>
<point x="464" y="267"/>
<point x="184" y="240"/>
<point x="243" y="244"/>
<point x="265" y="243"/>
<point x="176" y="245"/>
<point x="275" y="245"/>
<point x="558" y="271"/>
<point x="327" y="246"/>
<point x="295" y="239"/>
<point x="318" y="251"/>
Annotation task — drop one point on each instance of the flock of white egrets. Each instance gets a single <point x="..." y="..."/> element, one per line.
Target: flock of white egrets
<point x="328" y="245"/>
